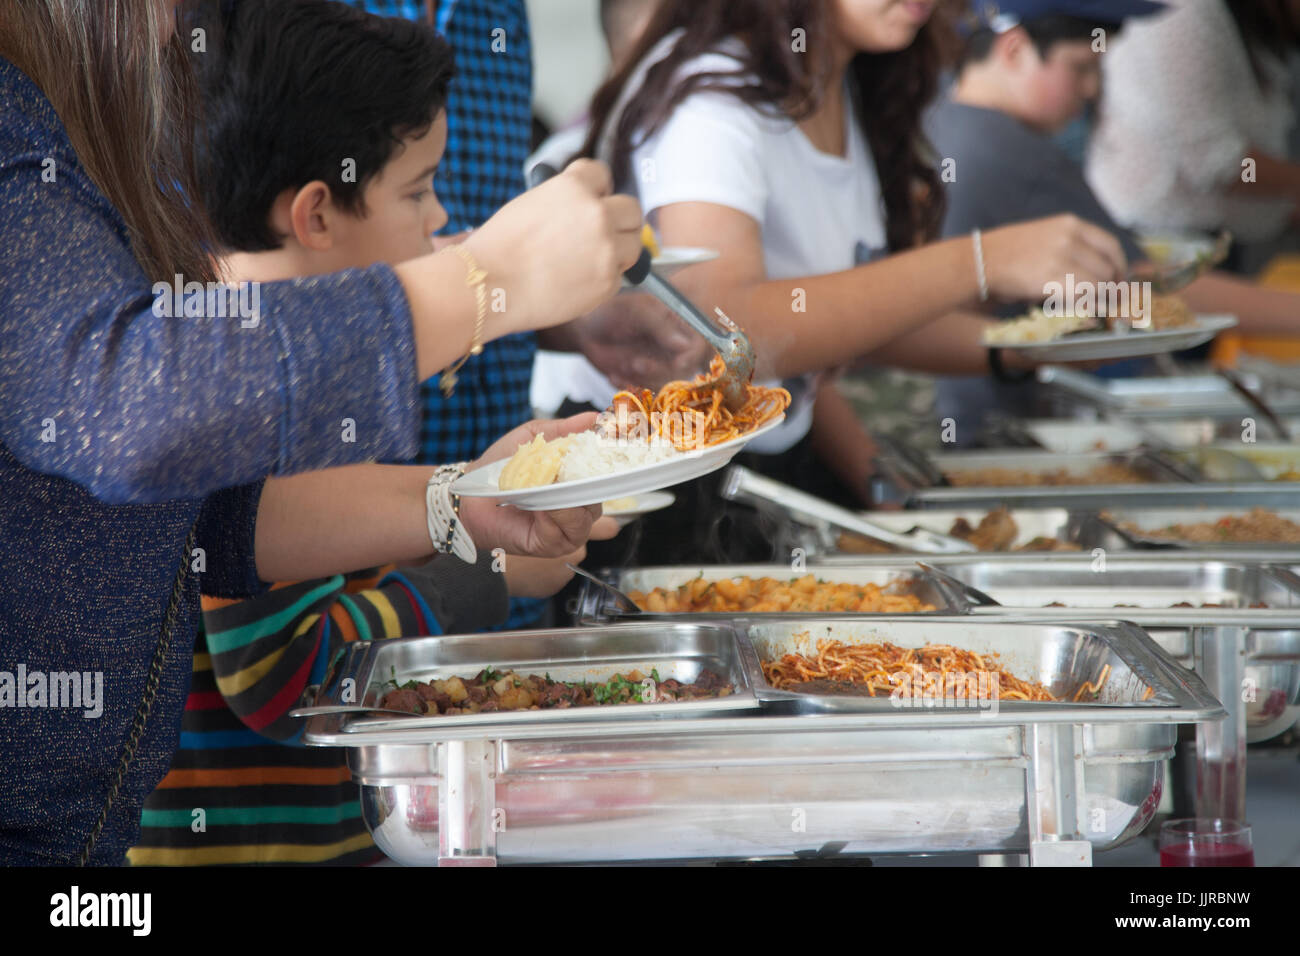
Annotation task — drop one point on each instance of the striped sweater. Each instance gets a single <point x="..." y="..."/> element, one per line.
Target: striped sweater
<point x="236" y="794"/>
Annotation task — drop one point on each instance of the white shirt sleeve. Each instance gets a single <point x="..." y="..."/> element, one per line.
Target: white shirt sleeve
<point x="1184" y="77"/>
<point x="709" y="150"/>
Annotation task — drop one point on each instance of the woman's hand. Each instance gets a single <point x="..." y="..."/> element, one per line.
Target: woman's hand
<point x="559" y="250"/>
<point x="1019" y="260"/>
<point x="538" y="534"/>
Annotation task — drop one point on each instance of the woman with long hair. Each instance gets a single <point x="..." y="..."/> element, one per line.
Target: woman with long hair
<point x="786" y="134"/>
<point x="139" y="416"/>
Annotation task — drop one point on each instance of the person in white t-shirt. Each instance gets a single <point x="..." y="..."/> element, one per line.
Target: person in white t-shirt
<point x="1194" y="119"/>
<point x="786" y="135"/>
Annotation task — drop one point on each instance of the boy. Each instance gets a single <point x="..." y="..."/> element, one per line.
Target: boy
<point x="1029" y="69"/>
<point x="324" y="128"/>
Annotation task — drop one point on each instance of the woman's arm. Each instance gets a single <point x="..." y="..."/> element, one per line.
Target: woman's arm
<point x="817" y="322"/>
<point x="950" y="345"/>
<point x="102" y="385"/>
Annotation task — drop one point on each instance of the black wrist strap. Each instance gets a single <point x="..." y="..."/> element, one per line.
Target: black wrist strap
<point x="1000" y="371"/>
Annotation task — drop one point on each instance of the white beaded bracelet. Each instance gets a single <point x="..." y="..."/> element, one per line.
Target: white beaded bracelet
<point x="442" y="512"/>
<point x="978" y="239"/>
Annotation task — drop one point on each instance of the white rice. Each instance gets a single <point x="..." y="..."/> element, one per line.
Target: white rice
<point x="590" y="454"/>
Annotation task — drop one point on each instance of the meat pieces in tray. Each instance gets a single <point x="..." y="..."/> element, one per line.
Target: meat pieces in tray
<point x="491" y="690"/>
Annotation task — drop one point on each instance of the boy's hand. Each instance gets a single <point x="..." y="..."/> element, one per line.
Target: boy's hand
<point x="538" y="534"/>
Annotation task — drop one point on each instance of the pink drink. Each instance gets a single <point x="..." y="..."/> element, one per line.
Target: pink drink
<point x="1207" y="854"/>
<point x="1206" y="843"/>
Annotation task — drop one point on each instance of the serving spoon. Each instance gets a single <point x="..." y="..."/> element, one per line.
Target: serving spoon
<point x="625" y="603"/>
<point x="725" y="336"/>
<point x="1167" y="279"/>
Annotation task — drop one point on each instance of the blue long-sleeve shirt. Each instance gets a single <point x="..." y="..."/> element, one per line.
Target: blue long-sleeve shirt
<point x="119" y="429"/>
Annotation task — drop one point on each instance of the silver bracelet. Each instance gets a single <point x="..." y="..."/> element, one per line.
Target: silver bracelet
<point x="978" y="239"/>
<point x="442" y="514"/>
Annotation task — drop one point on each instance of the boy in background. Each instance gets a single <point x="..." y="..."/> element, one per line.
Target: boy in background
<point x="1028" y="70"/>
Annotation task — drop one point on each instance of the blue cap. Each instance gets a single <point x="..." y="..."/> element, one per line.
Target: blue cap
<point x="1000" y="15"/>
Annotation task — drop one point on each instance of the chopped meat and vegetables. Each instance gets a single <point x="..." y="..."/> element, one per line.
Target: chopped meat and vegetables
<point x="1257" y="527"/>
<point x="490" y="690"/>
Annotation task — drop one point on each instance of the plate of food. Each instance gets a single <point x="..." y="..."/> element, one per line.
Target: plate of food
<point x="1171" y="327"/>
<point x="643" y="442"/>
<point x="630" y="507"/>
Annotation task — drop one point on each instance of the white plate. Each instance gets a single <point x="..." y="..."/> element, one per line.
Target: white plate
<point x="1069" y="437"/>
<point x="640" y="505"/>
<point x="1096" y="346"/>
<point x="482" y="483"/>
<point x="672" y="258"/>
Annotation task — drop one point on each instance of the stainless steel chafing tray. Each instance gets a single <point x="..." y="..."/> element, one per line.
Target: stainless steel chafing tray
<point x="1031" y="523"/>
<point x="1190" y="432"/>
<point x="1032" y="461"/>
<point x="1137" y="582"/>
<point x="1176" y="396"/>
<point x="1249" y="657"/>
<point x="1055" y="783"/>
<point x="1274" y="459"/>
<point x="597" y="606"/>
<point x="368" y="669"/>
<point x="1108" y="530"/>
<point x="1062" y="657"/>
<point x="1165" y="486"/>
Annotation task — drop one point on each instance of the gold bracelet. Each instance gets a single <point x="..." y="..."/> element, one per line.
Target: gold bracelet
<point x="476" y="279"/>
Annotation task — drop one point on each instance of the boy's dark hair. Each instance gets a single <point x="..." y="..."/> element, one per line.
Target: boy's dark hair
<point x="294" y="88"/>
<point x="1044" y="32"/>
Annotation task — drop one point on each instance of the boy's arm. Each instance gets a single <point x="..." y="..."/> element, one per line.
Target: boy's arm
<point x="267" y="650"/>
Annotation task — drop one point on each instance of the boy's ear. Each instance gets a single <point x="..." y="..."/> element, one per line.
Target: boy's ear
<point x="307" y="215"/>
<point x="1011" y="45"/>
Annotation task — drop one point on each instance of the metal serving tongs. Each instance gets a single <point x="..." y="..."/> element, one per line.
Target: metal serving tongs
<point x="1256" y="402"/>
<point x="624" y="603"/>
<point x="1167" y="279"/>
<point x="741" y="484"/>
<point x="725" y="336"/>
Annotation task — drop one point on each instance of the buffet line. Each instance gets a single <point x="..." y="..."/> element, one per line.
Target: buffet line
<point x="1000" y="669"/>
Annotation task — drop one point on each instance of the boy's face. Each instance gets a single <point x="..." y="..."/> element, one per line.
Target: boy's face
<point x="1054" y="89"/>
<point x="401" y="210"/>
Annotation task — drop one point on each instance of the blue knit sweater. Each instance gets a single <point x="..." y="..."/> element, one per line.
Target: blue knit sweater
<point x="118" y="431"/>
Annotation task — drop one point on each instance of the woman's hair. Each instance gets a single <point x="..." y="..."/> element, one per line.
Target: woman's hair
<point x="128" y="102"/>
<point x="1265" y="26"/>
<point x="891" y="90"/>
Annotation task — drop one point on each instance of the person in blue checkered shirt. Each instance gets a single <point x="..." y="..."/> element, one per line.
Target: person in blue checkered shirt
<point x="489" y="123"/>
